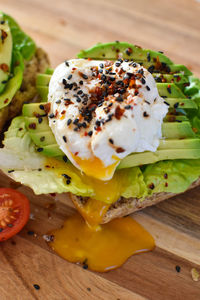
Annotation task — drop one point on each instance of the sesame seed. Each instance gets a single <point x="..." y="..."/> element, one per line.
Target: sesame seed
<point x="145" y="114"/>
<point x="148" y="56"/>
<point x="148" y="88"/>
<point x="66" y="176"/>
<point x="41" y="107"/>
<point x="40" y="149"/>
<point x="40" y="120"/>
<point x="66" y="63"/>
<point x="64" y="139"/>
<point x="85" y="76"/>
<point x="69" y="121"/>
<point x="119" y="99"/>
<point x="111" y="141"/>
<point x="143" y="80"/>
<point x="81" y="82"/>
<point x="169" y="89"/>
<point x="90" y="133"/>
<point x="76" y="121"/>
<point x="151" y="69"/>
<point x="11" y="171"/>
<point x="176" y="105"/>
<point x="65" y="159"/>
<point x="42" y="139"/>
<point x="117" y="64"/>
<point x="178" y="269"/>
<point x="69" y="77"/>
<point x="166" y="103"/>
<point x="51" y="116"/>
<point x="101" y="66"/>
<point x="36" y="286"/>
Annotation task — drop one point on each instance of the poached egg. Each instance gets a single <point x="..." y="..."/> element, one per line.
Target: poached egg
<point x="101" y="111"/>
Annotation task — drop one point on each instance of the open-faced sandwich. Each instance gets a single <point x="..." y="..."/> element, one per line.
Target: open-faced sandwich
<point x="20" y="61"/>
<point x="118" y="128"/>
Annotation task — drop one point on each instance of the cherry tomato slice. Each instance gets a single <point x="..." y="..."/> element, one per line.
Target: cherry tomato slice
<point x="14" y="212"/>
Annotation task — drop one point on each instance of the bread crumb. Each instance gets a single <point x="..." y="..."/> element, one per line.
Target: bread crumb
<point x="195" y="274"/>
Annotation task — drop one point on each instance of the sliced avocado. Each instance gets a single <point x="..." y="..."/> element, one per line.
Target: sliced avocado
<point x="169" y="90"/>
<point x="179" y="144"/>
<point x="37" y="124"/>
<point x="175" y="130"/>
<point x="184" y="103"/>
<point x="43" y="92"/>
<point x="49" y="71"/>
<point x="33" y="109"/>
<point x="50" y="150"/>
<point x="43" y="79"/>
<point x="6" y="44"/>
<point x="137" y="159"/>
<point x="43" y="138"/>
<point x="123" y="50"/>
<point x="13" y="83"/>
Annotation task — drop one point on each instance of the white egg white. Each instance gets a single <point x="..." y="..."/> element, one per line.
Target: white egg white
<point x="138" y="129"/>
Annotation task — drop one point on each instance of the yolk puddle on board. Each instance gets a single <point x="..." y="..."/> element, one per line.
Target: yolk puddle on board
<point x="104" y="248"/>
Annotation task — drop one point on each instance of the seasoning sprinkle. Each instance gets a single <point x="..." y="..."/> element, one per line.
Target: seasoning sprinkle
<point x="145" y="114"/>
<point x="111" y="141"/>
<point x="176" y="105"/>
<point x="51" y="116"/>
<point x="36" y="286"/>
<point x="65" y="159"/>
<point x="148" y="88"/>
<point x="64" y="139"/>
<point x="178" y="269"/>
<point x="69" y="121"/>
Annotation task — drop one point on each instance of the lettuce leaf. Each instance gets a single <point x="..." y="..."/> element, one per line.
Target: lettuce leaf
<point x="173" y="176"/>
<point x="193" y="91"/>
<point x="21" y="41"/>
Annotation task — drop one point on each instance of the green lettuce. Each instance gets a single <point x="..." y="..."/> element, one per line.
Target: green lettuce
<point x="173" y="176"/>
<point x="193" y="91"/>
<point x="21" y="41"/>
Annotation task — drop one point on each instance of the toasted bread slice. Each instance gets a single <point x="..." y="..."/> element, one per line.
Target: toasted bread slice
<point x="124" y="207"/>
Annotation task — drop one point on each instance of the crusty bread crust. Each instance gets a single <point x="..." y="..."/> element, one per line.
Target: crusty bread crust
<point x="124" y="207"/>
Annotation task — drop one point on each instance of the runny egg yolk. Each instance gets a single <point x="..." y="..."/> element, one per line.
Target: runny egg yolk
<point x="95" y="167"/>
<point x="98" y="247"/>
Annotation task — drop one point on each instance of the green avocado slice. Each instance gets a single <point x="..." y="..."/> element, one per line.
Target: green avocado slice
<point x="15" y="82"/>
<point x="121" y="49"/>
<point x="145" y="158"/>
<point x="6" y="45"/>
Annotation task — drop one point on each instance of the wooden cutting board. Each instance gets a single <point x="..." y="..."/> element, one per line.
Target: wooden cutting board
<point x="63" y="28"/>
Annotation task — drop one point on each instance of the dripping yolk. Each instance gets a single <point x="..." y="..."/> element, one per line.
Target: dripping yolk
<point x="94" y="167"/>
<point x="83" y="240"/>
<point x="104" y="249"/>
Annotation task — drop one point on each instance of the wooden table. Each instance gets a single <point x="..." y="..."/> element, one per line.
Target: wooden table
<point x="63" y="27"/>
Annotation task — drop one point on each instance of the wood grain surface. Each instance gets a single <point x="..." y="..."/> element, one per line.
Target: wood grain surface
<point x="62" y="28"/>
